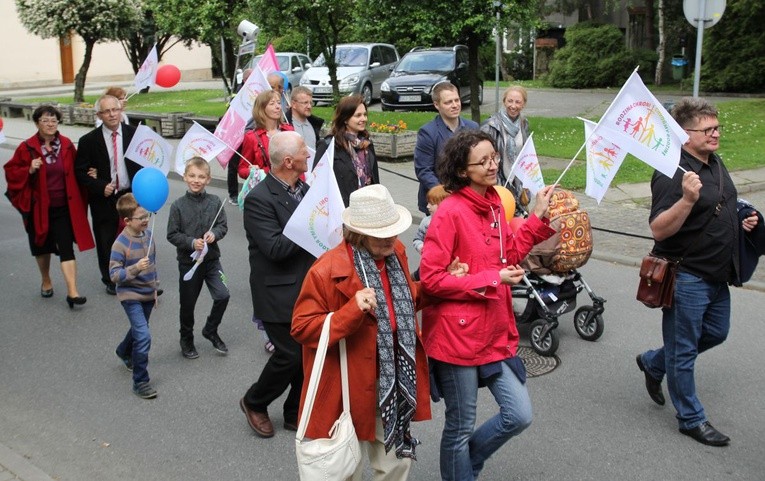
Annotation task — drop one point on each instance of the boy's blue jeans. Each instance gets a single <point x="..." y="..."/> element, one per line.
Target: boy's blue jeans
<point x="138" y="338"/>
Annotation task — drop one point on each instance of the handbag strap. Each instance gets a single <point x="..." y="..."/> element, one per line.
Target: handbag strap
<point x="313" y="383"/>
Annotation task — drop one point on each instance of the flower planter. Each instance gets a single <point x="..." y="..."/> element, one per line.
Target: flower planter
<point x="84" y="114"/>
<point x="394" y="146"/>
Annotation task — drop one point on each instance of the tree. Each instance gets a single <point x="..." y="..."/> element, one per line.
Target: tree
<point x="93" y="20"/>
<point x="139" y="41"/>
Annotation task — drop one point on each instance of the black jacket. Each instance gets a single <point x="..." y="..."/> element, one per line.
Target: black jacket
<point x="345" y="172"/>
<point x="751" y="244"/>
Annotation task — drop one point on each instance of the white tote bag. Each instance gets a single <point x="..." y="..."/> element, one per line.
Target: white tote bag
<point x="336" y="457"/>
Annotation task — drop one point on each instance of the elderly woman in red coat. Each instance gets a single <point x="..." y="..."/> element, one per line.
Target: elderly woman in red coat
<point x="365" y="282"/>
<point x="42" y="185"/>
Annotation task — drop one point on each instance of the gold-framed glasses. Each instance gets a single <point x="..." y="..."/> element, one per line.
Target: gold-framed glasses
<point x="487" y="161"/>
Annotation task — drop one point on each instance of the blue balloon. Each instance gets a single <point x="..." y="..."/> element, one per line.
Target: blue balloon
<point x="150" y="188"/>
<point x="286" y="81"/>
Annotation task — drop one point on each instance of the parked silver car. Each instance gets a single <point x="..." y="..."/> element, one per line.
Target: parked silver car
<point x="361" y="69"/>
<point x="291" y="64"/>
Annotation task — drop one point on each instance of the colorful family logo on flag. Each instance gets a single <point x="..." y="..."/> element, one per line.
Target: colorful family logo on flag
<point x="245" y="98"/>
<point x="149" y="149"/>
<point x="527" y="168"/>
<point x="197" y="142"/>
<point x="604" y="157"/>
<point x="645" y="123"/>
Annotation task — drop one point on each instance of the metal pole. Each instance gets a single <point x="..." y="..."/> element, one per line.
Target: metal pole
<point x="699" y="44"/>
<point x="223" y="62"/>
<point x="498" y="6"/>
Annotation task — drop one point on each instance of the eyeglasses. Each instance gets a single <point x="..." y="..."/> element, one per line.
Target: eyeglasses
<point x="487" y="161"/>
<point x="48" y="120"/>
<point x="109" y="111"/>
<point x="141" y="218"/>
<point x="708" y="131"/>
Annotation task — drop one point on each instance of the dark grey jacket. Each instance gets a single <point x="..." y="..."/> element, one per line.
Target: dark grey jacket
<point x="190" y="217"/>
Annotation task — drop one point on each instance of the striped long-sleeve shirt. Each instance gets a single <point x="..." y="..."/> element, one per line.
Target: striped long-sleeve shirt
<point x="133" y="284"/>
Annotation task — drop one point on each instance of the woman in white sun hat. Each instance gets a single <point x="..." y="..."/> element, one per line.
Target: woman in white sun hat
<point x="365" y="282"/>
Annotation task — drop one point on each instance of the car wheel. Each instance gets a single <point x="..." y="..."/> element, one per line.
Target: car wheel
<point x="366" y="93"/>
<point x="386" y="108"/>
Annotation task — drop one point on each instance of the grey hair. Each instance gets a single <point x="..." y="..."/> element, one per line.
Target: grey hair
<point x="689" y="110"/>
<point x="97" y="106"/>
<point x="283" y="144"/>
<point x="300" y="89"/>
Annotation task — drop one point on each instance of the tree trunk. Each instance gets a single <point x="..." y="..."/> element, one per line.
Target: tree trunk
<point x="650" y="31"/>
<point x="79" y="79"/>
<point x="475" y="109"/>
<point x="662" y="48"/>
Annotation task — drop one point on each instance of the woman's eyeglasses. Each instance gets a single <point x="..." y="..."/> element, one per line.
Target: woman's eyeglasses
<point x="487" y="161"/>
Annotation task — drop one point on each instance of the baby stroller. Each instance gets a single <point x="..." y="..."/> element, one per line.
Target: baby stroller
<point x="552" y="282"/>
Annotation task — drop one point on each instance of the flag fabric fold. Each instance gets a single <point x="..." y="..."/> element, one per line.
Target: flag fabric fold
<point x="317" y="225"/>
<point x="197" y="142"/>
<point x="604" y="157"/>
<point x="230" y="130"/>
<point x="268" y="62"/>
<point x="147" y="74"/>
<point x="149" y="149"/>
<point x="527" y="169"/>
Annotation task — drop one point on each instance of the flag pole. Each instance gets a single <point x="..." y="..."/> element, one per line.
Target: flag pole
<point x="216" y="216"/>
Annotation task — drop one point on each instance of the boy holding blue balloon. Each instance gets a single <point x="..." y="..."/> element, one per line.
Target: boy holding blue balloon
<point x="132" y="268"/>
<point x="195" y="225"/>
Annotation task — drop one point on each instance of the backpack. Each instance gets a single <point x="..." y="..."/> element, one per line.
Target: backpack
<point x="571" y="246"/>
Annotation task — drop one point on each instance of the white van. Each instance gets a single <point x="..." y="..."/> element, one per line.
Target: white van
<point x="361" y="69"/>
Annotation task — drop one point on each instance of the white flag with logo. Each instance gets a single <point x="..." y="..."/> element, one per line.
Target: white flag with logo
<point x="197" y="142"/>
<point x="317" y="224"/>
<point x="149" y="149"/>
<point x="147" y="74"/>
<point x="604" y="157"/>
<point x="642" y="126"/>
<point x="245" y="98"/>
<point x="527" y="169"/>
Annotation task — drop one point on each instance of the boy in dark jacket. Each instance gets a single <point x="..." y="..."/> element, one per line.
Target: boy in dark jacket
<point x="195" y="225"/>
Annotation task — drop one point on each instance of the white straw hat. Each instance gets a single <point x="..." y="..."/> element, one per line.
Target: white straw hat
<point x="372" y="212"/>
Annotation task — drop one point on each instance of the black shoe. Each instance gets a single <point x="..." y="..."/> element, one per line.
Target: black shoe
<point x="188" y="350"/>
<point x="79" y="300"/>
<point x="127" y="361"/>
<point x="111" y="289"/>
<point x="705" y="433"/>
<point x="216" y="341"/>
<point x="651" y="385"/>
<point x="46" y="293"/>
<point x="144" y="390"/>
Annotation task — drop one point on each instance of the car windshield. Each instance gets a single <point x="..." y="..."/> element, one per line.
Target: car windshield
<point x="283" y="60"/>
<point x="346" y="57"/>
<point x="427" y="62"/>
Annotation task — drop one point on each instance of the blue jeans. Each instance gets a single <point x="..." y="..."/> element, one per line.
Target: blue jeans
<point x="138" y="338"/>
<point x="463" y="449"/>
<point x="698" y="320"/>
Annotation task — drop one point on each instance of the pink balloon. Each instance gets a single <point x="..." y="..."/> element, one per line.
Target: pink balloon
<point x="516" y="223"/>
<point x="168" y="76"/>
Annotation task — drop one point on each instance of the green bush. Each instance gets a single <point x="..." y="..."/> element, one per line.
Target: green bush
<point x="596" y="56"/>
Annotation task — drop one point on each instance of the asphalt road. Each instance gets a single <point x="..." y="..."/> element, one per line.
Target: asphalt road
<point x="68" y="408"/>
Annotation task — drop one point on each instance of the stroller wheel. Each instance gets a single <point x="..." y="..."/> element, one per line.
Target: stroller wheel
<point x="588" y="325"/>
<point x="547" y="345"/>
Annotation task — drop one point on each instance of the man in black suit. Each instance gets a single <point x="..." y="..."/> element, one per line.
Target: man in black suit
<point x="277" y="269"/>
<point x="104" y="171"/>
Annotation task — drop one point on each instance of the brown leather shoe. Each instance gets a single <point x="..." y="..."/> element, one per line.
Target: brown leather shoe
<point x="259" y="422"/>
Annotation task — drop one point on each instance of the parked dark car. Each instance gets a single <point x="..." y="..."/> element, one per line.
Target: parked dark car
<point x="412" y="80"/>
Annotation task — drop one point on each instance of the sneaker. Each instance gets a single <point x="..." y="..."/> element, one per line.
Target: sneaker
<point x="233" y="201"/>
<point x="111" y="289"/>
<point x="217" y="342"/>
<point x="188" y="350"/>
<point x="127" y="361"/>
<point x="144" y="390"/>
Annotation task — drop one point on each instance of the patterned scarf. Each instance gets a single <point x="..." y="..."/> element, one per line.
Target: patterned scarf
<point x="51" y="155"/>
<point x="511" y="127"/>
<point x="358" y="150"/>
<point x="397" y="390"/>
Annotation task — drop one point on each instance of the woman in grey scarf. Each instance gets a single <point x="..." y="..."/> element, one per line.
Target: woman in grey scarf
<point x="509" y="128"/>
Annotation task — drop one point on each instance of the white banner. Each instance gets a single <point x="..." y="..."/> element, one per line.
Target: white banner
<point x="527" y="169"/>
<point x="317" y="225"/>
<point x="245" y="98"/>
<point x="149" y="149"/>
<point x="147" y="74"/>
<point x="197" y="142"/>
<point x="604" y="158"/>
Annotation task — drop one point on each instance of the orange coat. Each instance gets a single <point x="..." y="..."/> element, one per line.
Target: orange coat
<point x="330" y="286"/>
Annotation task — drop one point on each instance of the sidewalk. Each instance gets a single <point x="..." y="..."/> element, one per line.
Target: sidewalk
<point x="15" y="467"/>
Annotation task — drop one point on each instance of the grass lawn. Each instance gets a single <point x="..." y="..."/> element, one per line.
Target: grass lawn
<point x="741" y="146"/>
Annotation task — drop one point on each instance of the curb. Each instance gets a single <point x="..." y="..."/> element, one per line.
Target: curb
<point x="20" y="467"/>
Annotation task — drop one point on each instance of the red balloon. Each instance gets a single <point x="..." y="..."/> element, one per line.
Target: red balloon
<point x="1" y="123"/>
<point x="168" y="76"/>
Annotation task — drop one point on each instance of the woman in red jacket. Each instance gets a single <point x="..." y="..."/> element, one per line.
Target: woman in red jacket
<point x="267" y="114"/>
<point x="469" y="330"/>
<point x="365" y="282"/>
<point x="42" y="185"/>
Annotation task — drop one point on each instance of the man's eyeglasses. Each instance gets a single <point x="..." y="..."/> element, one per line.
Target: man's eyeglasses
<point x="109" y="111"/>
<point x="708" y="131"/>
<point x="141" y="218"/>
<point x="487" y="161"/>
